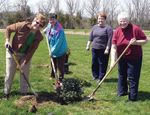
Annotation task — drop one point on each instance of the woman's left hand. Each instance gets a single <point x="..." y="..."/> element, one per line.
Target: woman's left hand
<point x="133" y="41"/>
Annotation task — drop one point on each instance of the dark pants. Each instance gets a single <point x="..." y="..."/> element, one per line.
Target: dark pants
<point x="99" y="63"/>
<point x="129" y="74"/>
<point x="66" y="65"/>
<point x="59" y="65"/>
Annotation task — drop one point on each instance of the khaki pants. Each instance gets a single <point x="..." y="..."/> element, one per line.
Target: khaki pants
<point x="10" y="72"/>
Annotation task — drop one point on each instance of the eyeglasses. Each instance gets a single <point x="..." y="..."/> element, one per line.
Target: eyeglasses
<point x="38" y="23"/>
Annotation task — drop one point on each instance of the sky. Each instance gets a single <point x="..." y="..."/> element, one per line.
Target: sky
<point x="34" y="8"/>
<point x="34" y="3"/>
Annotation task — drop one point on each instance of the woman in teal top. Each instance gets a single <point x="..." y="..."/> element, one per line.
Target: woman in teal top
<point x="57" y="43"/>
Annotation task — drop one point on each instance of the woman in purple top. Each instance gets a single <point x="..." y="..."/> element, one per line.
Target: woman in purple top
<point x="129" y="66"/>
<point x="100" y="37"/>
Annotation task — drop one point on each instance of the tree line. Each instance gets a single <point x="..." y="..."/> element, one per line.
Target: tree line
<point x="79" y="14"/>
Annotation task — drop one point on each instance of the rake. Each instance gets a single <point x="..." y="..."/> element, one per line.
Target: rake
<point x="91" y="96"/>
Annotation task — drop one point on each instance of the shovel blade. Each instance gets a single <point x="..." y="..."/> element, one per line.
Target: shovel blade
<point x="89" y="98"/>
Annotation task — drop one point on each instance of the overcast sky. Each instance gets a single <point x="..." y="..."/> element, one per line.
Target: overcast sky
<point x="34" y="7"/>
<point x="33" y="4"/>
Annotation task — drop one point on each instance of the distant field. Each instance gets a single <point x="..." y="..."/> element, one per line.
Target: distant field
<point x="107" y="102"/>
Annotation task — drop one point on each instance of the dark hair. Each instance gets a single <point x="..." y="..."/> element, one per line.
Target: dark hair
<point x="53" y="15"/>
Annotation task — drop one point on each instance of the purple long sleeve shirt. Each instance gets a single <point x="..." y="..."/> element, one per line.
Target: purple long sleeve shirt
<point x="101" y="37"/>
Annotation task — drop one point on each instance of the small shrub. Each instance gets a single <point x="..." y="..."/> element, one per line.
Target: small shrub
<point x="70" y="91"/>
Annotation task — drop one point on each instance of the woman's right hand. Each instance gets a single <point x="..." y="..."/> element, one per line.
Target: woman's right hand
<point x="7" y="43"/>
<point x="88" y="45"/>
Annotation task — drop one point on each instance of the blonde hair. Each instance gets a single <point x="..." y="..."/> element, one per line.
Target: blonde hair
<point x="41" y="18"/>
<point x="102" y="14"/>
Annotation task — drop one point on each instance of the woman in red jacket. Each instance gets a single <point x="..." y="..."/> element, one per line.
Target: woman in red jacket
<point x="129" y="66"/>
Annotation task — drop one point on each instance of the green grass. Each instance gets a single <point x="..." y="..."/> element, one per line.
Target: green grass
<point x="78" y="30"/>
<point x="107" y="102"/>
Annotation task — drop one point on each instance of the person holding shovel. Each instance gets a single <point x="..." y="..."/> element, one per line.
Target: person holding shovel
<point x="26" y="39"/>
<point x="57" y="45"/>
<point x="100" y="37"/>
<point x="129" y="66"/>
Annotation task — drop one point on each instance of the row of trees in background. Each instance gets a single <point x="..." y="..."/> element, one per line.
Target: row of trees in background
<point x="78" y="14"/>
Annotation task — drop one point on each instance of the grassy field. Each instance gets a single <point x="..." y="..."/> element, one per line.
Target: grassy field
<point x="107" y="102"/>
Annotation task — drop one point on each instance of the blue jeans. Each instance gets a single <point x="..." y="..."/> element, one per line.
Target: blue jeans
<point x="129" y="74"/>
<point x="99" y="63"/>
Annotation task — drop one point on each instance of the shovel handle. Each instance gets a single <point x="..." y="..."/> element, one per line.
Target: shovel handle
<point x="93" y="93"/>
<point x="21" y="71"/>
<point x="52" y="61"/>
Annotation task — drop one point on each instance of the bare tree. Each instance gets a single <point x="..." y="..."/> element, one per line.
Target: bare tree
<point x="111" y="8"/>
<point x="129" y="7"/>
<point x="105" y="6"/>
<point x="72" y="8"/>
<point x="45" y="6"/>
<point x="56" y="6"/>
<point x="140" y="11"/>
<point x="93" y="7"/>
<point x="2" y="4"/>
<point x="23" y="7"/>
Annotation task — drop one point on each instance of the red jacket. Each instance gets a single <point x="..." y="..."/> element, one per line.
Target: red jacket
<point x="121" y="38"/>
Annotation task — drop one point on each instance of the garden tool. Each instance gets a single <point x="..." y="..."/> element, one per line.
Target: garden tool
<point x="58" y="83"/>
<point x="20" y="69"/>
<point x="91" y="96"/>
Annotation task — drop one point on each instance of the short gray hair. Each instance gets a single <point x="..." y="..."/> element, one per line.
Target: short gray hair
<point x="123" y="15"/>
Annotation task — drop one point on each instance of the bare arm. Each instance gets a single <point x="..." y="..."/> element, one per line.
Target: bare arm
<point x="113" y="55"/>
<point x="138" y="42"/>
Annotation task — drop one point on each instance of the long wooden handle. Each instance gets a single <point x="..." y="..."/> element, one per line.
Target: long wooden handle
<point x="93" y="93"/>
<point x="52" y="61"/>
<point x="20" y="69"/>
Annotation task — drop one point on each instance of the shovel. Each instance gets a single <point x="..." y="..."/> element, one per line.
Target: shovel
<point x="19" y="67"/>
<point x="91" y="96"/>
<point x="58" y="84"/>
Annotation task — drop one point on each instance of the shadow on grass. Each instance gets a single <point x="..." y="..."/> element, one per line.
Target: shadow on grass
<point x="72" y="64"/>
<point x="1" y="82"/>
<point x="84" y="83"/>
<point x="69" y="72"/>
<point x="143" y="95"/>
<point x="111" y="80"/>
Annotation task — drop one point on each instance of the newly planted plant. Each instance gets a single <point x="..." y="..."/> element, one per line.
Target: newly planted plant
<point x="70" y="91"/>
